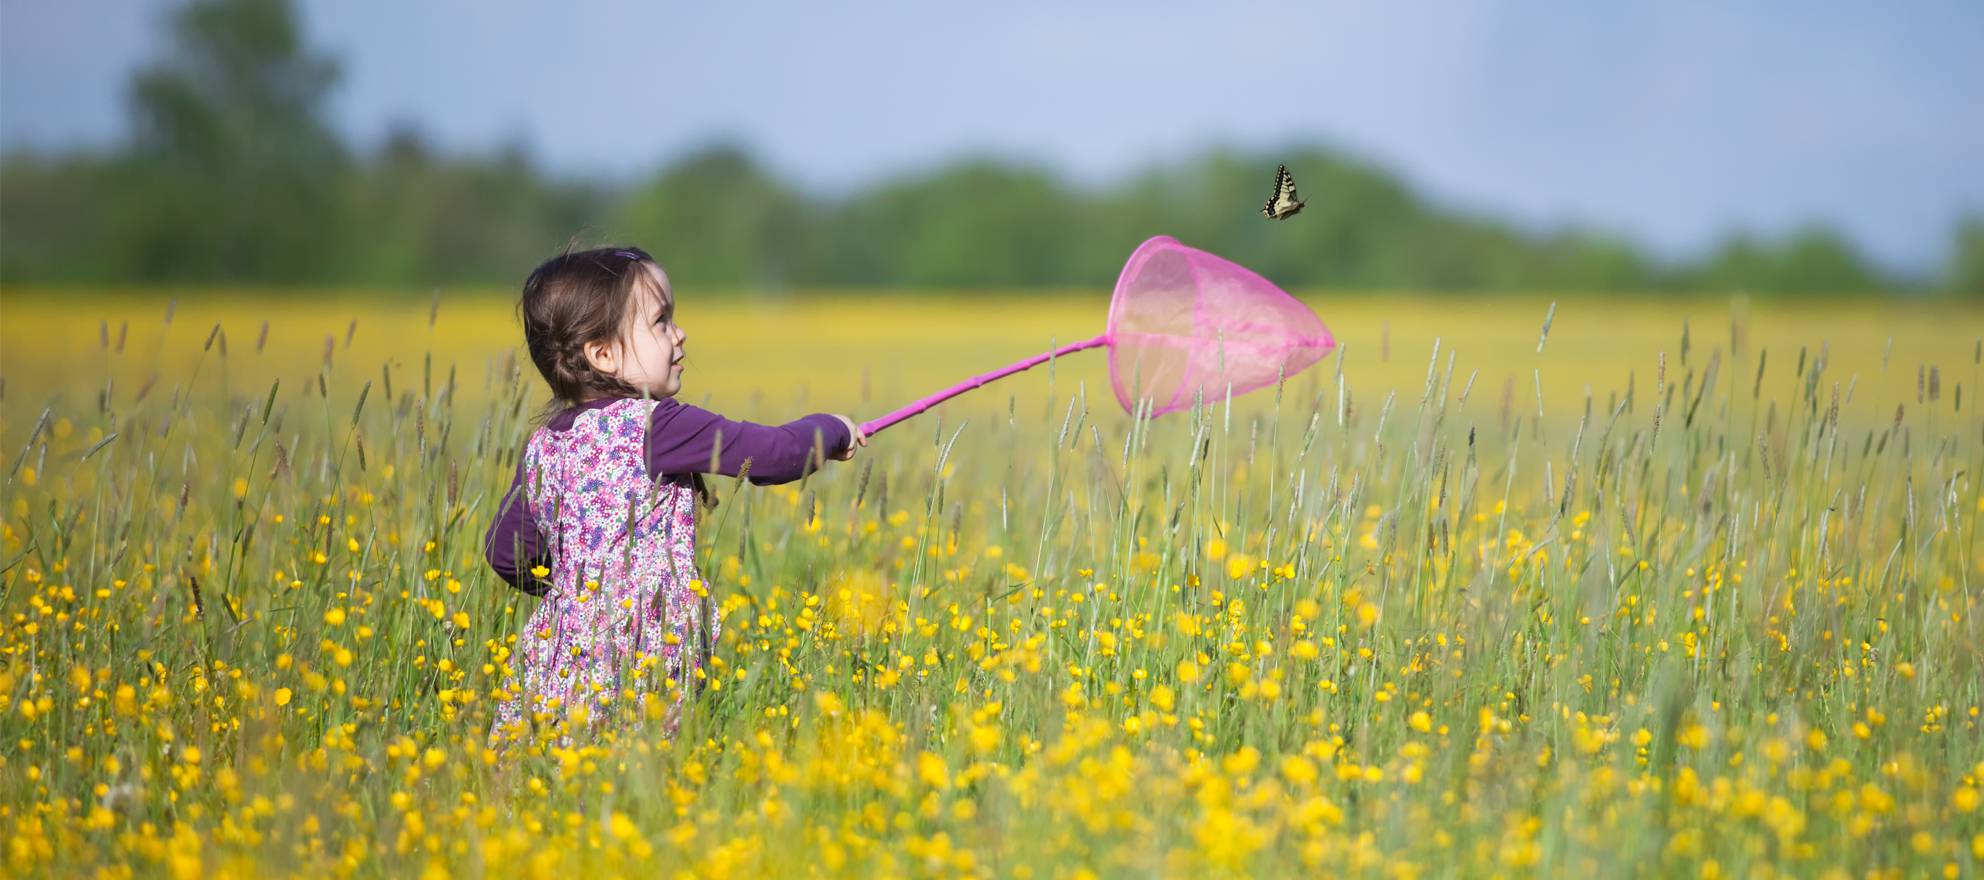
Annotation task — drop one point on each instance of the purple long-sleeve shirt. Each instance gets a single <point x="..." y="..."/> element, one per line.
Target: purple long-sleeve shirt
<point x="682" y="441"/>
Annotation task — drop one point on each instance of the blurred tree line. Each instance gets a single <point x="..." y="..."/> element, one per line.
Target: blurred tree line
<point x="233" y="175"/>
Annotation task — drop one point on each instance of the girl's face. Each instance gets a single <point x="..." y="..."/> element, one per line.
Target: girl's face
<point x="648" y="355"/>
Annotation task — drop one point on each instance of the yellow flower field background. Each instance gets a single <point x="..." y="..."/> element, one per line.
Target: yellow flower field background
<point x="1692" y="590"/>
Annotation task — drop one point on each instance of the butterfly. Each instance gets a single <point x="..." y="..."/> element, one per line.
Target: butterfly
<point x="1284" y="203"/>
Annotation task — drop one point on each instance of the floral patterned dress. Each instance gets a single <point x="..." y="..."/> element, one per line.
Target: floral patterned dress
<point x="623" y="615"/>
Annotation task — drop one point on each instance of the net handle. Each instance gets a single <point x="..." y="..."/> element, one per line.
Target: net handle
<point x="872" y="427"/>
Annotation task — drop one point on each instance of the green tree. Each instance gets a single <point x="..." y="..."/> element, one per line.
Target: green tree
<point x="975" y="223"/>
<point x="53" y="210"/>
<point x="717" y="217"/>
<point x="233" y="174"/>
<point x="1356" y="230"/>
<point x="1965" y="275"/>
<point x="1817" y="259"/>
<point x="1739" y="263"/>
<point x="470" y="218"/>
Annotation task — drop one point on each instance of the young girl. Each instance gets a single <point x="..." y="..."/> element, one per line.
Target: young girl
<point x="600" y="519"/>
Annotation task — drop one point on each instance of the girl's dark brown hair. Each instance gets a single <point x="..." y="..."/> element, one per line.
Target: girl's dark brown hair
<point x="570" y="300"/>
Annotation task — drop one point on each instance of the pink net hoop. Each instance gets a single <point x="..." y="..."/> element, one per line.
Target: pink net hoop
<point x="1186" y="325"/>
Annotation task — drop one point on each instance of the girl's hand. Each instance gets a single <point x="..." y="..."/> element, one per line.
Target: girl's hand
<point x="853" y="430"/>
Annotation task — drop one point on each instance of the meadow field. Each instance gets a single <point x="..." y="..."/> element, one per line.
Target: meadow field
<point x="1677" y="588"/>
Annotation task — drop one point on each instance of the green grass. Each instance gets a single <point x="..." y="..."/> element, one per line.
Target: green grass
<point x="1627" y="605"/>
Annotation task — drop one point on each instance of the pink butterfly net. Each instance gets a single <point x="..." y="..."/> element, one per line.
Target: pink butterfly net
<point x="1184" y="326"/>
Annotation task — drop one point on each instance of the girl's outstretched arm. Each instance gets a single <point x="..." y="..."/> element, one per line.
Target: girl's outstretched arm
<point x="684" y="439"/>
<point x="514" y="545"/>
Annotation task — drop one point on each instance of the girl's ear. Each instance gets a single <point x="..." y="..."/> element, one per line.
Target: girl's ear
<point x="604" y="356"/>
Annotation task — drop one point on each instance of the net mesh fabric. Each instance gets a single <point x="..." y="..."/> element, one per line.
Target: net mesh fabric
<point x="1186" y="325"/>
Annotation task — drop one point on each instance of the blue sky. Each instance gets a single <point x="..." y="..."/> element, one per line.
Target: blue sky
<point x="1671" y="122"/>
